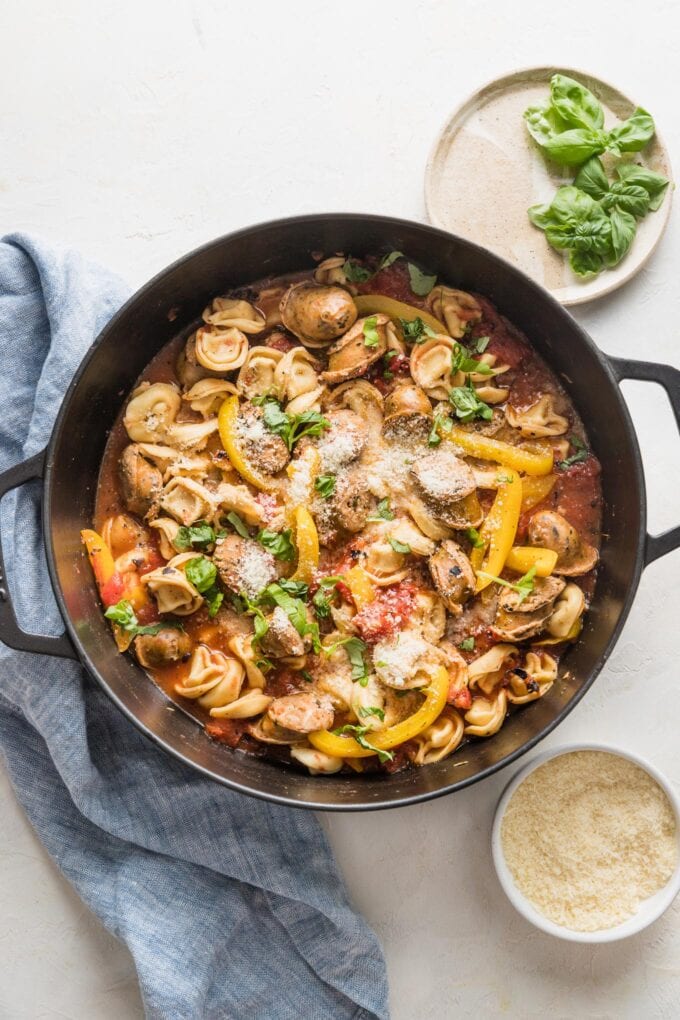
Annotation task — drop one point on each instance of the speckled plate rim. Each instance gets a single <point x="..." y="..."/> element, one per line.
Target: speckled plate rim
<point x="608" y="281"/>
<point x="650" y="909"/>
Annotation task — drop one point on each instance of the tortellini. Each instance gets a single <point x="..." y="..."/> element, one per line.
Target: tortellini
<point x="171" y="588"/>
<point x="167" y="530"/>
<point x="187" y="500"/>
<point x="192" y="435"/>
<point x="383" y="564"/>
<point x="151" y="411"/>
<point x="431" y="367"/>
<point x="486" y="715"/>
<point x="296" y="374"/>
<point x="440" y="739"/>
<point x="247" y="706"/>
<point x="488" y="670"/>
<point x="207" y="395"/>
<point x="540" y="419"/>
<point x="318" y="763"/>
<point x="455" y="308"/>
<point x="221" y="350"/>
<point x="568" y="609"/>
<point x="214" y="679"/>
<point x="331" y="271"/>
<point x="364" y="399"/>
<point x="533" y="680"/>
<point x="257" y="377"/>
<point x="242" y="647"/>
<point x="232" y="313"/>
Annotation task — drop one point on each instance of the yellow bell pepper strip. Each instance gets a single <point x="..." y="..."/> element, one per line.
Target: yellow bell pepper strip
<point x="307" y="543"/>
<point x="360" y="585"/>
<point x="535" y="489"/>
<point x="226" y="422"/>
<point x="522" y="558"/>
<point x="99" y="555"/>
<point x="346" y="747"/>
<point x="302" y="473"/>
<point x="497" y="533"/>
<point x="533" y="462"/>
<point x="369" y="303"/>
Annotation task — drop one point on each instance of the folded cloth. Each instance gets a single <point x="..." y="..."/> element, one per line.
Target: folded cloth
<point x="231" y="907"/>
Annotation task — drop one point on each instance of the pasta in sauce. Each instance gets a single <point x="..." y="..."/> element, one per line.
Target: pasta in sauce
<point x="345" y="525"/>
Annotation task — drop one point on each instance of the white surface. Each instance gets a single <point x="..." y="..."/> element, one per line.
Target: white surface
<point x="137" y="131"/>
<point x="649" y="910"/>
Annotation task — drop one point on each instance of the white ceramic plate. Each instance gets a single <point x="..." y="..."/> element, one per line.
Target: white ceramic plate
<point x="650" y="909"/>
<point x="485" y="171"/>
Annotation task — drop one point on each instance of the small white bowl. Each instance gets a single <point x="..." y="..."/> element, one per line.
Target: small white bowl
<point x="650" y="909"/>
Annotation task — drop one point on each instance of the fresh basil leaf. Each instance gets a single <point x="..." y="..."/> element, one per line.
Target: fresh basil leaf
<point x="632" y="198"/>
<point x="295" y="610"/>
<point x="325" y="485"/>
<point x="278" y="543"/>
<point x="441" y="424"/>
<point x="475" y="539"/>
<point x="297" y="588"/>
<point x="355" y="648"/>
<point x="654" y="184"/>
<point x="575" y="220"/>
<point x="292" y="429"/>
<point x="623" y="232"/>
<point x="415" y="331"/>
<point x="399" y="547"/>
<point x="198" y="534"/>
<point x="359" y="734"/>
<point x="365" y="711"/>
<point x="461" y="361"/>
<point x="573" y="147"/>
<point x="543" y="122"/>
<point x="123" y="615"/>
<point x="275" y="418"/>
<point x="585" y="263"/>
<point x="382" y="512"/>
<point x="524" y="586"/>
<point x="356" y="273"/>
<point x="468" y="405"/>
<point x="369" y="329"/>
<point x="480" y="343"/>
<point x="214" y="599"/>
<point x="592" y="178"/>
<point x="421" y="283"/>
<point x="581" y="454"/>
<point x="467" y="644"/>
<point x="574" y="103"/>
<point x="264" y="665"/>
<point x="633" y="134"/>
<point x="238" y="524"/>
<point x="387" y="260"/>
<point x="202" y="573"/>
<point x="306" y="676"/>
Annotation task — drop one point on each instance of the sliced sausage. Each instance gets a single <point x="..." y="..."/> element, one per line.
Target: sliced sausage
<point x="169" y="645"/>
<point x="452" y="575"/>
<point x="141" y="482"/>
<point x="302" y="713"/>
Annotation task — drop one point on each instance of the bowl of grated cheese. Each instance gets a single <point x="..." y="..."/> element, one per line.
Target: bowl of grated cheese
<point x="586" y="843"/>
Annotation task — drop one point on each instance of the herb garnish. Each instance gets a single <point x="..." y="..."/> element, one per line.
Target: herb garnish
<point x="382" y="512"/>
<point x="370" y="331"/>
<point x="421" y="283"/>
<point x="292" y="428"/>
<point x="524" y="586"/>
<point x="399" y="547"/>
<point x="415" y="331"/>
<point x="278" y="543"/>
<point x="582" y="453"/>
<point x="475" y="539"/>
<point x="468" y="405"/>
<point x="467" y="644"/>
<point x="442" y="423"/>
<point x="202" y="573"/>
<point x="355" y="649"/>
<point x="359" y="734"/>
<point x="325" y="485"/>
<point x="199" y="534"/>
<point x="238" y="524"/>
<point x="365" y="711"/>
<point x="321" y="599"/>
<point x="462" y="361"/>
<point x="123" y="615"/>
<point x="354" y="272"/>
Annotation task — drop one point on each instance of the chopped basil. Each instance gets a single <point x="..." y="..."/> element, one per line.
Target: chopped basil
<point x="306" y="676"/>
<point x="123" y="615"/>
<point x="295" y="610"/>
<point x="441" y="423"/>
<point x="461" y="361"/>
<point x="415" y="331"/>
<point x="480" y="344"/>
<point x="264" y="665"/>
<point x="582" y="453"/>
<point x="365" y="711"/>
<point x="356" y="273"/>
<point x="355" y="649"/>
<point x="387" y="260"/>
<point x="399" y="547"/>
<point x="382" y="512"/>
<point x="468" y="405"/>
<point x="474" y="538"/>
<point x="524" y="586"/>
<point x="370" y="331"/>
<point x="467" y="644"/>
<point x="199" y="534"/>
<point x="359" y="733"/>
<point x="379" y="663"/>
<point x="325" y="485"/>
<point x="278" y="543"/>
<point x="202" y="573"/>
<point x="237" y="524"/>
<point x="292" y="428"/>
<point x="321" y="600"/>
<point x="421" y="283"/>
<point x="504" y="479"/>
<point x="297" y="588"/>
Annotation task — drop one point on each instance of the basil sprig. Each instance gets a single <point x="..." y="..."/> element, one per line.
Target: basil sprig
<point x="524" y="586"/>
<point x="202" y="573"/>
<point x="468" y="405"/>
<point x="292" y="428"/>
<point x="123" y="615"/>
<point x="359" y="734"/>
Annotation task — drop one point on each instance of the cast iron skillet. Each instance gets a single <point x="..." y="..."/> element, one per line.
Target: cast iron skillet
<point x="170" y="303"/>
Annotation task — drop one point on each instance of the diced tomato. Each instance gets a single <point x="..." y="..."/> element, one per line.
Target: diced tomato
<point x="345" y="593"/>
<point x="115" y="589"/>
<point x="393" y="282"/>
<point x="388" y="613"/>
<point x="459" y="697"/>
<point x="227" y="731"/>
<point x="280" y="342"/>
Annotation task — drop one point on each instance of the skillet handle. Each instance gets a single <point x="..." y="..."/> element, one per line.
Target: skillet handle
<point x="10" y="632"/>
<point x="669" y="378"/>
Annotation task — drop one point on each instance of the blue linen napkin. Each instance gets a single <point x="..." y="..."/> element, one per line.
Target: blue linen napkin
<point x="231" y="907"/>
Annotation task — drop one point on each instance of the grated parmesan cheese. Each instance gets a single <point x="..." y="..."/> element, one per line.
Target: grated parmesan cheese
<point x="397" y="662"/>
<point x="587" y="836"/>
<point x="256" y="569"/>
<point x="338" y="448"/>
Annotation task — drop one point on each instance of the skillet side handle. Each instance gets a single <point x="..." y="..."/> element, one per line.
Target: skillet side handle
<point x="668" y="377"/>
<point x="11" y="633"/>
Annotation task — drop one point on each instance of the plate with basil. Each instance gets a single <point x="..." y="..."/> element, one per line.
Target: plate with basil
<point x="560" y="173"/>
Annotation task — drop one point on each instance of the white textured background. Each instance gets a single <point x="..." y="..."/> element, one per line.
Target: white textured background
<point x="136" y="131"/>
